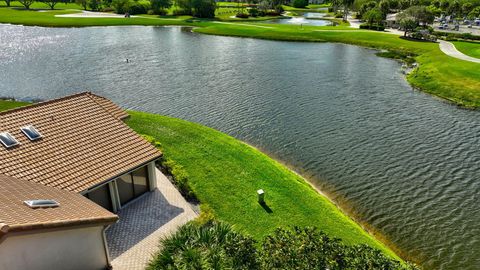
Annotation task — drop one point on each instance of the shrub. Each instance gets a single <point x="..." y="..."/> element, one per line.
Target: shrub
<point x="272" y="13"/>
<point x="180" y="178"/>
<point x="242" y="15"/>
<point x="375" y="27"/>
<point x="210" y="246"/>
<point x="206" y="244"/>
<point x="108" y="9"/>
<point x="253" y="12"/>
<point x="300" y="3"/>
<point x="338" y="14"/>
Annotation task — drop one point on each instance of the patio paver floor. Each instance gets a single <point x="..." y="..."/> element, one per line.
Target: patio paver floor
<point x="135" y="238"/>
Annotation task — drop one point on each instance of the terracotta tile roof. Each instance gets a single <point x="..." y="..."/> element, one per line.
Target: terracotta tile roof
<point x="73" y="209"/>
<point x="111" y="107"/>
<point x="84" y="143"/>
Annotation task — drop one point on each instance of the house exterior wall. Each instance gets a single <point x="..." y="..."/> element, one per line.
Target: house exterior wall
<point x="76" y="248"/>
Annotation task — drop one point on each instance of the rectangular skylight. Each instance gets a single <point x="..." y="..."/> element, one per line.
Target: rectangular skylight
<point x="41" y="203"/>
<point x="31" y="132"/>
<point x="8" y="140"/>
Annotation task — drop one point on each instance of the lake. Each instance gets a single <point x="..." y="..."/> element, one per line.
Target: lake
<point x="402" y="161"/>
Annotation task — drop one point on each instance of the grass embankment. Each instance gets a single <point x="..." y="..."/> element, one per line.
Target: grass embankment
<point x="449" y="78"/>
<point x="225" y="174"/>
<point x="469" y="48"/>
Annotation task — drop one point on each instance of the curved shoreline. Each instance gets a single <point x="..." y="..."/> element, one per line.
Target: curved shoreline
<point x="341" y="206"/>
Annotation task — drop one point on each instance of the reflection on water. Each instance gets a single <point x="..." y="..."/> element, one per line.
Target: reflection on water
<point x="407" y="163"/>
<point x="308" y="18"/>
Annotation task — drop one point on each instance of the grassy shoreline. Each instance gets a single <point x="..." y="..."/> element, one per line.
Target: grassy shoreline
<point x="225" y="173"/>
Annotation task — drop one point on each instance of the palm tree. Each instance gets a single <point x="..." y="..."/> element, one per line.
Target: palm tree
<point x="346" y="5"/>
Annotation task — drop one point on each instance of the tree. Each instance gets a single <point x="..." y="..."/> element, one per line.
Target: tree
<point x="82" y="3"/>
<point x="373" y="16"/>
<point x="160" y="5"/>
<point x="466" y="8"/>
<point x="8" y="2"/>
<point x="346" y="5"/>
<point x="185" y="6"/>
<point x="407" y="22"/>
<point x="94" y="4"/>
<point x="121" y="6"/>
<point x="300" y="3"/>
<point x="475" y="13"/>
<point x="384" y="8"/>
<point x="204" y="8"/>
<point x="26" y="3"/>
<point x="51" y="3"/>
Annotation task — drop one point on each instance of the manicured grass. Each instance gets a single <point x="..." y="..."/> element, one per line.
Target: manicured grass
<point x="469" y="48"/>
<point x="226" y="173"/>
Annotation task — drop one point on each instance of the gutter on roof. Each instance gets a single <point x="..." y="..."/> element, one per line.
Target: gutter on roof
<point x="65" y="223"/>
<point x="83" y="192"/>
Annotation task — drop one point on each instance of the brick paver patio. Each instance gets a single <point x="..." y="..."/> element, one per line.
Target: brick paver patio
<point x="135" y="238"/>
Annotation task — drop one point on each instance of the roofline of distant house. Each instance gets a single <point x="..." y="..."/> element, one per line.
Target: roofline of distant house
<point x="120" y="174"/>
<point x="41" y="103"/>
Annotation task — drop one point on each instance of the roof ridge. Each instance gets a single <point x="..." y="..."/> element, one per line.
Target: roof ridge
<point x="42" y="103"/>
<point x="90" y="96"/>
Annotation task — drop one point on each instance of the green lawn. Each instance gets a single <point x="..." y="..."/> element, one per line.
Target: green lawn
<point x="7" y="104"/>
<point x="469" y="48"/>
<point x="226" y="173"/>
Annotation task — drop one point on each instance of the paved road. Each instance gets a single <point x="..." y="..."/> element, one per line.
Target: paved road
<point x="449" y="49"/>
<point x="446" y="47"/>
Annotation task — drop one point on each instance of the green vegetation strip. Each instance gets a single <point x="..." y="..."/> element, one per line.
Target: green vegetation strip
<point x="225" y="174"/>
<point x="449" y="78"/>
<point x="469" y="48"/>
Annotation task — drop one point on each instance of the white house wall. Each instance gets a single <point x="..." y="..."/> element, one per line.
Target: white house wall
<point x="72" y="249"/>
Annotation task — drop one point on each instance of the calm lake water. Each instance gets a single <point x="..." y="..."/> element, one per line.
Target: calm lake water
<point x="402" y="161"/>
<point x="308" y="18"/>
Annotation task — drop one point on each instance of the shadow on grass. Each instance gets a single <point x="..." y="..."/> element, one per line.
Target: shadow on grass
<point x="266" y="208"/>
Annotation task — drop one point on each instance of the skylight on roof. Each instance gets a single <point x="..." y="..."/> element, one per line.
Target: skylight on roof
<point x="8" y="140"/>
<point x="31" y="132"/>
<point x="41" y="203"/>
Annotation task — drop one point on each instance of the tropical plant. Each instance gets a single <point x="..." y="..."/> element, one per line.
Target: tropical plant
<point x="206" y="246"/>
<point x="213" y="245"/>
<point x="346" y="6"/>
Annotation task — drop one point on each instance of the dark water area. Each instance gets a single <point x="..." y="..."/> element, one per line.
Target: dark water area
<point x="402" y="161"/>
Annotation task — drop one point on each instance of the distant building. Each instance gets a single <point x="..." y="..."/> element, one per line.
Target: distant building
<point x="67" y="165"/>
